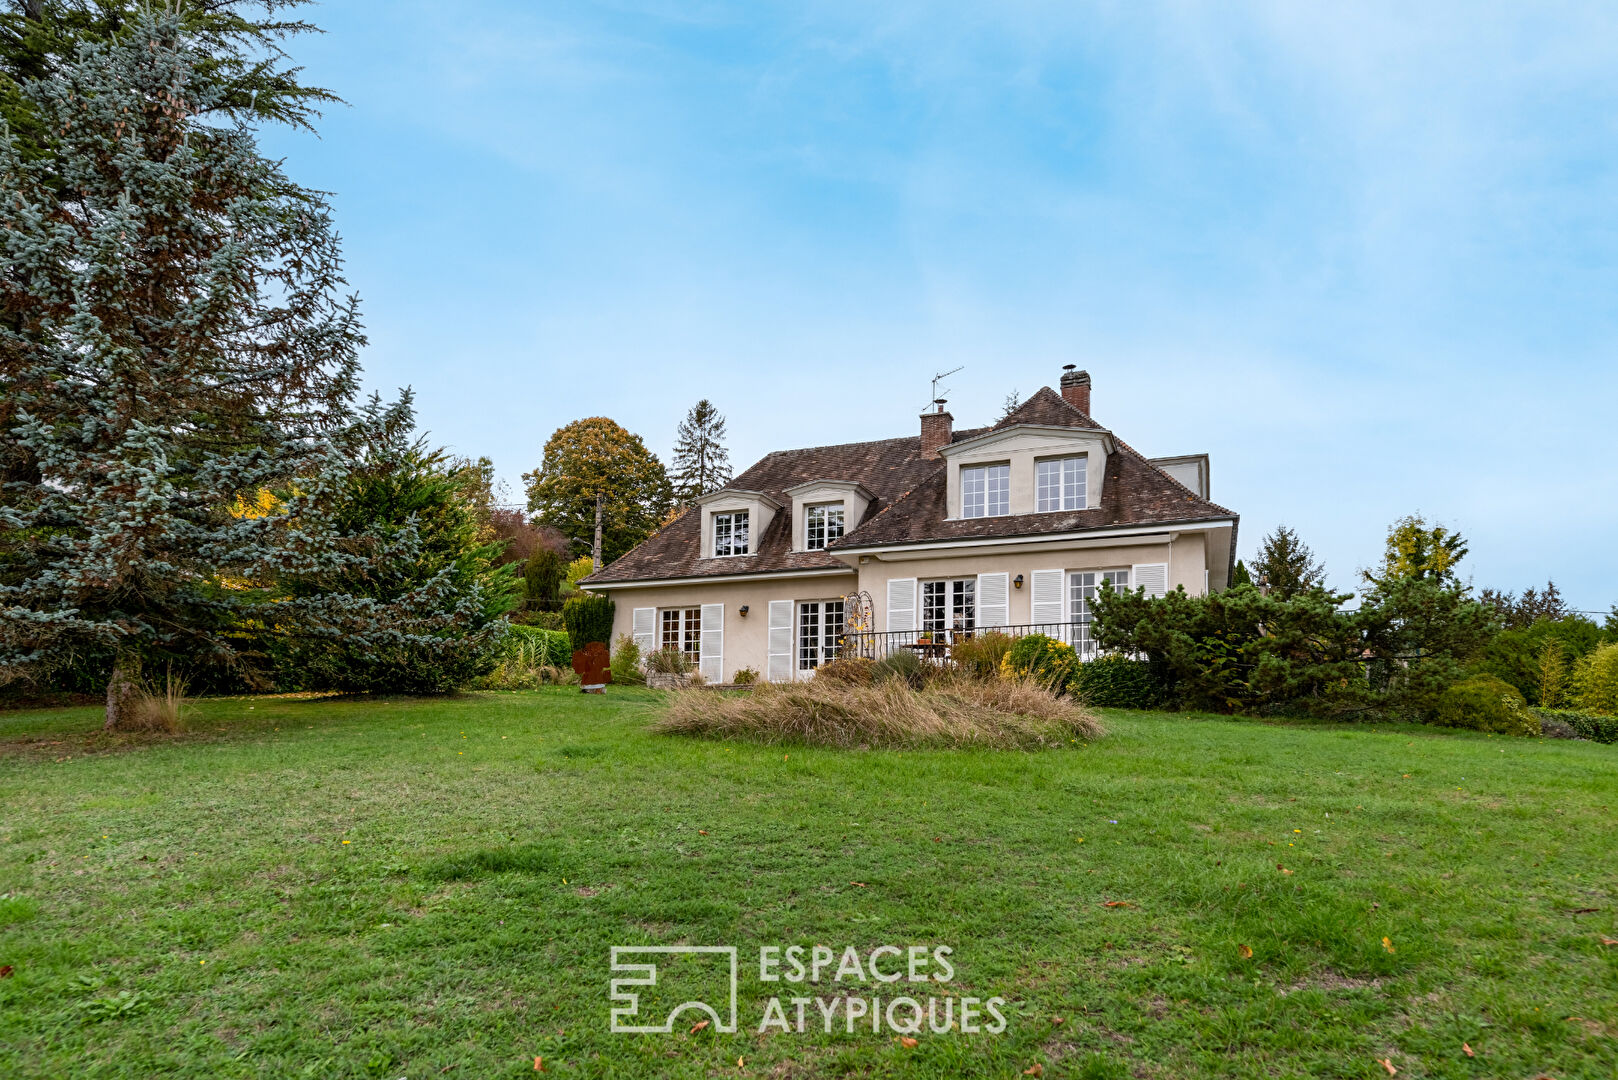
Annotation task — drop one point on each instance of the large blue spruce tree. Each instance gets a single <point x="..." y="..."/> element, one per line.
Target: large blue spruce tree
<point x="178" y="364"/>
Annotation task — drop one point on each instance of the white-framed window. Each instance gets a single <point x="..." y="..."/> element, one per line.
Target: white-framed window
<point x="681" y="628"/>
<point x="821" y="525"/>
<point x="1081" y="592"/>
<point x="1059" y="484"/>
<point x="820" y="632"/>
<point x="949" y="605"/>
<point x="730" y="533"/>
<point x="986" y="491"/>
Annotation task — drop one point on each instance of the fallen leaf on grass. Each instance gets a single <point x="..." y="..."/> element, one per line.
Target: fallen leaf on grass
<point x="741" y="1063"/>
<point x="906" y="1041"/>
<point x="539" y="1064"/>
<point x="1388" y="1065"/>
<point x="1118" y="903"/>
<point x="1283" y="869"/>
<point x="1604" y="941"/>
<point x="1388" y="945"/>
<point x="1467" y="1050"/>
<point x="698" y="1026"/>
<point x="859" y="884"/>
<point x="1036" y="1069"/>
<point x="1585" y="911"/>
<point x="5" y="972"/>
<point x="1246" y="951"/>
<point x="702" y="832"/>
<point x="1057" y="1020"/>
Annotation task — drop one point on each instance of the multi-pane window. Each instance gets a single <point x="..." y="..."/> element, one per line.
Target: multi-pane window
<point x="822" y="525"/>
<point x="986" y="491"/>
<point x="1082" y="588"/>
<point x="820" y="632"/>
<point x="730" y="533"/>
<point x="1059" y="484"/>
<point x="682" y="629"/>
<point x="949" y="605"/>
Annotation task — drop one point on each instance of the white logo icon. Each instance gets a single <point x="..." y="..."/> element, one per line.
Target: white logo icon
<point x="646" y="975"/>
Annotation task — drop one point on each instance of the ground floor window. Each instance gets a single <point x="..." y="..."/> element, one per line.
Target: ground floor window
<point x="949" y="605"/>
<point x="682" y="629"/>
<point x="1082" y="587"/>
<point x="820" y="632"/>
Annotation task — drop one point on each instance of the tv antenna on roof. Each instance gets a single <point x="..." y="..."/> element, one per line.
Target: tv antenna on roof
<point x="940" y="377"/>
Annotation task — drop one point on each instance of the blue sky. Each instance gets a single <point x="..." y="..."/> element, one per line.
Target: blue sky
<point x="1367" y="258"/>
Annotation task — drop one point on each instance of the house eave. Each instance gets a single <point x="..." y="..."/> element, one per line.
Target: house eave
<point x="1071" y="536"/>
<point x="989" y="438"/>
<point x="706" y="579"/>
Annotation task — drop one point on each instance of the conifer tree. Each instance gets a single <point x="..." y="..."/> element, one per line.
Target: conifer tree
<point x="177" y="371"/>
<point x="1286" y="565"/>
<point x="701" y="461"/>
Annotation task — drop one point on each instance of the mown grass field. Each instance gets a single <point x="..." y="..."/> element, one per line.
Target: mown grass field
<point x="422" y="888"/>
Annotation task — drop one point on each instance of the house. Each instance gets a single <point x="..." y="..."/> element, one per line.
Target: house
<point x="914" y="542"/>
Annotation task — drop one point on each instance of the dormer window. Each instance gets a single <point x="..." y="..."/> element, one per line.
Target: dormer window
<point x="986" y="491"/>
<point x="730" y="533"/>
<point x="821" y="525"/>
<point x="1059" y="484"/>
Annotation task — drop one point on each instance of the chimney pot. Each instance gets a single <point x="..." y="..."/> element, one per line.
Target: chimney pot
<point x="937" y="429"/>
<point x="1076" y="388"/>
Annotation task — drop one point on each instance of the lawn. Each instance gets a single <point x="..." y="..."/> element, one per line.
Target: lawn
<point x="422" y="888"/>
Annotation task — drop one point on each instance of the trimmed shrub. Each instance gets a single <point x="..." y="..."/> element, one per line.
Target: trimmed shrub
<point x="1595" y="681"/>
<point x="1113" y="680"/>
<point x="1596" y="728"/>
<point x="1051" y="663"/>
<point x="981" y="654"/>
<point x="952" y="710"/>
<point x="745" y="677"/>
<point x="625" y="664"/>
<point x="588" y="617"/>
<point x="1486" y="703"/>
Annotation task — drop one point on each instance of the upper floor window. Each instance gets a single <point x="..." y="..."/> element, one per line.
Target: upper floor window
<point x="986" y="491"/>
<point x="1059" y="484"/>
<point x="821" y="525"/>
<point x="730" y="533"/>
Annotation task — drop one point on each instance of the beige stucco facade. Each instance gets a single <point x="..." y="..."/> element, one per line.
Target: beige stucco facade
<point x="1195" y="559"/>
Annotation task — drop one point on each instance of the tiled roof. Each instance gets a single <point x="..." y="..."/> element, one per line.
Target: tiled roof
<point x="887" y="468"/>
<point x="910" y="504"/>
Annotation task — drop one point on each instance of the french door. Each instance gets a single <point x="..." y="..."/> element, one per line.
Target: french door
<point x="820" y="632"/>
<point x="948" y="606"/>
<point x="1082" y="589"/>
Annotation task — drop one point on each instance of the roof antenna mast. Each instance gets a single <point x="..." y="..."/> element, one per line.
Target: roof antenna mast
<point x="938" y="394"/>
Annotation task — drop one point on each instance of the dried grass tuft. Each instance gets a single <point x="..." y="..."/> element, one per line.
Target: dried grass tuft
<point x="158" y="709"/>
<point x="949" y="711"/>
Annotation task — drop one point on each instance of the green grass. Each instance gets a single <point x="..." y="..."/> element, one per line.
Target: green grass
<point x="422" y="888"/>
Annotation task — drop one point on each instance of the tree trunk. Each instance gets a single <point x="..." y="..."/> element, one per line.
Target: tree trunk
<point x="595" y="552"/>
<point x="121" y="690"/>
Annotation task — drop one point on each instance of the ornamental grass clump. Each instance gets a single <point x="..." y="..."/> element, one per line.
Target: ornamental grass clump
<point x="949" y="711"/>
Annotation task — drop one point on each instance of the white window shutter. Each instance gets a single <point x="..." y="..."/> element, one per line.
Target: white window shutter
<point x="780" y="641"/>
<point x="713" y="642"/>
<point x="643" y="628"/>
<point x="1153" y="577"/>
<point x="1049" y="597"/>
<point x="994" y="599"/>
<point x="901" y="605"/>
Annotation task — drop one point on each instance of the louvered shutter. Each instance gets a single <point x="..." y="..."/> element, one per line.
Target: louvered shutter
<point x="713" y="642"/>
<point x="1153" y="577"/>
<point x="1048" y="604"/>
<point x="994" y="599"/>
<point x="780" y="668"/>
<point x="901" y="605"/>
<point x="643" y="628"/>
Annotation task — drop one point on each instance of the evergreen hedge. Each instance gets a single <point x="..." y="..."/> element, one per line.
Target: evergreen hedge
<point x="588" y="617"/>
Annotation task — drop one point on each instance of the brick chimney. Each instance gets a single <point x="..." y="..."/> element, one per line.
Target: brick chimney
<point x="937" y="429"/>
<point x="1076" y="388"/>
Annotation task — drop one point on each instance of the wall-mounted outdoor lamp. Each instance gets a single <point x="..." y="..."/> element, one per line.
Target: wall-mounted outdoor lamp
<point x="1017" y="581"/>
<point x="743" y="610"/>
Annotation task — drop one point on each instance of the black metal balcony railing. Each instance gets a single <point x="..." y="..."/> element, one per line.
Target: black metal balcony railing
<point x="936" y="644"/>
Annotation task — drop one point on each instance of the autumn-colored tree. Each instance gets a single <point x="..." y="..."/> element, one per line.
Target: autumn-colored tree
<point x="600" y="487"/>
<point x="1417" y="550"/>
